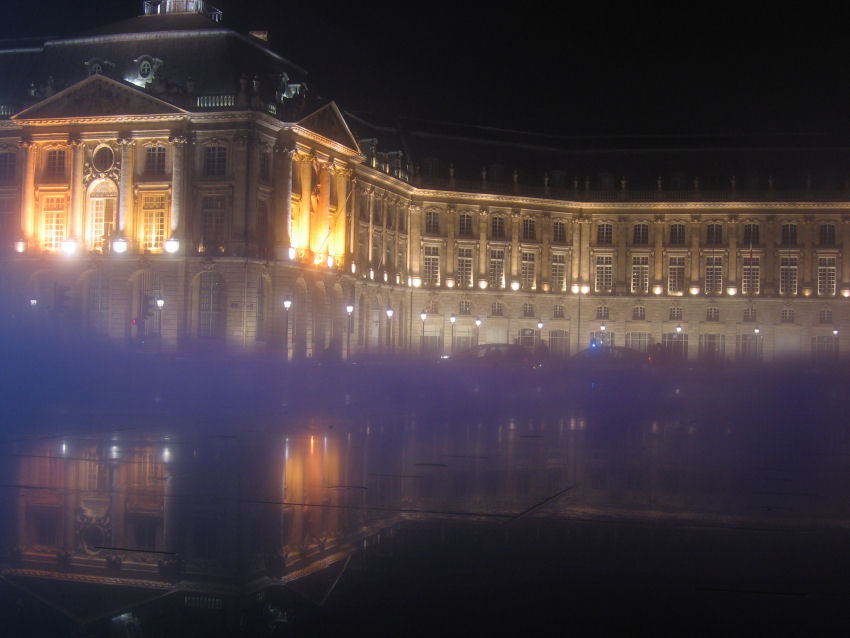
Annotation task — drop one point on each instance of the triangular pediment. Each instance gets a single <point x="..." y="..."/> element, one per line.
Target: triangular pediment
<point x="328" y="122"/>
<point x="97" y="96"/>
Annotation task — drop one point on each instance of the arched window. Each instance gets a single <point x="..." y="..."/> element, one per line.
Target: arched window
<point x="103" y="200"/>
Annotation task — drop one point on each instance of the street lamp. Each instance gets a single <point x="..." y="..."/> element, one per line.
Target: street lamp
<point x="477" y="330"/>
<point x="350" y="310"/>
<point x="390" y="327"/>
<point x="287" y="304"/>
<point x="160" y="302"/>
<point x="580" y="290"/>
<point x="452" y="320"/>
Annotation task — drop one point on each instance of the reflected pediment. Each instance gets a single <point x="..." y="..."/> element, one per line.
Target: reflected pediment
<point x="97" y="96"/>
<point x="328" y="122"/>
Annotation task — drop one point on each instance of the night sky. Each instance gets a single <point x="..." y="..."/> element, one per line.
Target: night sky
<point x="639" y="71"/>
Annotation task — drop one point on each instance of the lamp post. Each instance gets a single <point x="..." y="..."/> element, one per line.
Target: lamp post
<point x="452" y="320"/>
<point x="390" y="327"/>
<point x="580" y="290"/>
<point x="287" y="304"/>
<point x="477" y="331"/>
<point x="423" y="316"/>
<point x="350" y="310"/>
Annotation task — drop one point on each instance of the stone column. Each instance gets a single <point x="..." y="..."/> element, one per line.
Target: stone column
<point x="76" y="225"/>
<point x="353" y="220"/>
<point x="482" y="242"/>
<point x="300" y="227"/>
<point x="337" y="231"/>
<point x="621" y="261"/>
<point x="516" y="220"/>
<point x="414" y="248"/>
<point x="178" y="187"/>
<point x="321" y="227"/>
<point x="732" y="275"/>
<point x="125" y="189"/>
<point x="29" y="150"/>
<point x="575" y="253"/>
<point x="658" y="253"/>
<point x="770" y="268"/>
<point x="696" y="231"/>
<point x="544" y="270"/>
<point x="807" y="254"/>
<point x="584" y="263"/>
<point x="451" y="244"/>
<point x="240" y="196"/>
<point x="281" y="212"/>
<point x="370" y="194"/>
<point x="845" y="251"/>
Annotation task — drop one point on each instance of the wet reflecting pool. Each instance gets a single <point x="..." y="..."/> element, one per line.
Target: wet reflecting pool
<point x="254" y="499"/>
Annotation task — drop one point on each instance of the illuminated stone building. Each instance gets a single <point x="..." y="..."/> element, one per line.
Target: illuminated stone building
<point x="165" y="180"/>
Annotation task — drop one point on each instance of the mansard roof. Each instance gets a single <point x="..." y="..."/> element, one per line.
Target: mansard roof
<point x="97" y="96"/>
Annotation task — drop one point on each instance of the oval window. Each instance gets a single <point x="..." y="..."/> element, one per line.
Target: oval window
<point x="145" y="68"/>
<point x="103" y="159"/>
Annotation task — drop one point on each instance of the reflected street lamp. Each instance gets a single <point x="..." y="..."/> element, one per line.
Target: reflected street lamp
<point x="390" y="327"/>
<point x="452" y="320"/>
<point x="350" y="310"/>
<point x="580" y="290"/>
<point x="423" y="316"/>
<point x="477" y="331"/>
<point x="539" y="332"/>
<point x="287" y="304"/>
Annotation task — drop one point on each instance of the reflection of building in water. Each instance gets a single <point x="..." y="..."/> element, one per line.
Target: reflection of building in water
<point x="149" y="196"/>
<point x="221" y="518"/>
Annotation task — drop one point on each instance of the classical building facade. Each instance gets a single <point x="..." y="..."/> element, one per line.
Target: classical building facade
<point x="165" y="180"/>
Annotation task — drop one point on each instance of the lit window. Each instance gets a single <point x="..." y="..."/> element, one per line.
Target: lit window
<point x="604" y="273"/>
<point x="640" y="274"/>
<point x="677" y="234"/>
<point x="102" y="204"/>
<point x="826" y="276"/>
<point x="714" y="234"/>
<point x="464" y="267"/>
<point x="155" y="160"/>
<point x="53" y="223"/>
<point x="788" y="276"/>
<point x="497" y="267"/>
<point x="215" y="161"/>
<point x="55" y="167"/>
<point x="713" y="275"/>
<point x="638" y="314"/>
<point x="559" y="272"/>
<point x="789" y="234"/>
<point x="559" y="232"/>
<point x="153" y="211"/>
<point x="527" y="270"/>
<point x="676" y="276"/>
<point x="750" y="281"/>
<point x="640" y="234"/>
<point x="604" y="233"/>
<point x="675" y="314"/>
<point x="431" y="270"/>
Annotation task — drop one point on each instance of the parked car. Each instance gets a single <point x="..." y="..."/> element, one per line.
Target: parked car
<point x="494" y="354"/>
<point x="611" y="356"/>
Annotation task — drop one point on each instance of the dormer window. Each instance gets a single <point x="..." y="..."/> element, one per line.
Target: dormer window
<point x="145" y="69"/>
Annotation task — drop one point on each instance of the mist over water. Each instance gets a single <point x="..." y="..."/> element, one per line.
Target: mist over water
<point x="242" y="495"/>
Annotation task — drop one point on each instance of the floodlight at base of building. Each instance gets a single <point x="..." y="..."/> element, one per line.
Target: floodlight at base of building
<point x="657" y="289"/>
<point x="291" y="253"/>
<point x="732" y="291"/>
<point x="69" y="246"/>
<point x="482" y="283"/>
<point x="417" y="282"/>
<point x="694" y="290"/>
<point x="119" y="246"/>
<point x="172" y="245"/>
<point x="21" y="246"/>
<point x="514" y="286"/>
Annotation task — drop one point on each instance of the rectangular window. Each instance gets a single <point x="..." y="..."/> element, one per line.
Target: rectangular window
<point x="528" y="310"/>
<point x="714" y="234"/>
<point x="527" y="271"/>
<point x="559" y="232"/>
<point x="676" y="344"/>
<point x="101" y="219"/>
<point x="750" y="314"/>
<point x="788" y="276"/>
<point x="465" y="225"/>
<point x="431" y="271"/>
<point x="496" y="309"/>
<point x="53" y="223"/>
<point x="677" y="234"/>
<point x="558" y="312"/>
<point x="604" y="233"/>
<point x="55" y="167"/>
<point x="602" y="312"/>
<point x="153" y="210"/>
<point x="215" y="161"/>
<point x="640" y="275"/>
<point x="464" y="307"/>
<point x="155" y="160"/>
<point x="604" y="273"/>
<point x="825" y="347"/>
<point x="789" y="234"/>
<point x="750" y="275"/>
<point x="528" y="230"/>
<point x="751" y="234"/>
<point x="638" y="314"/>
<point x="826" y="235"/>
<point x="559" y="343"/>
<point x="495" y="275"/>
<point x="787" y="315"/>
<point x="266" y="166"/>
<point x="712" y="314"/>
<point x="748" y="347"/>
<point x="464" y="267"/>
<point x="212" y="221"/>
<point x="497" y="225"/>
<point x="559" y="280"/>
<point x="432" y="222"/>
<point x="676" y="314"/>
<point x="825" y="316"/>
<point x="639" y="341"/>
<point x="826" y="276"/>
<point x="676" y="276"/>
<point x="712" y="347"/>
<point x="7" y="166"/>
<point x="713" y="275"/>
<point x="640" y="234"/>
